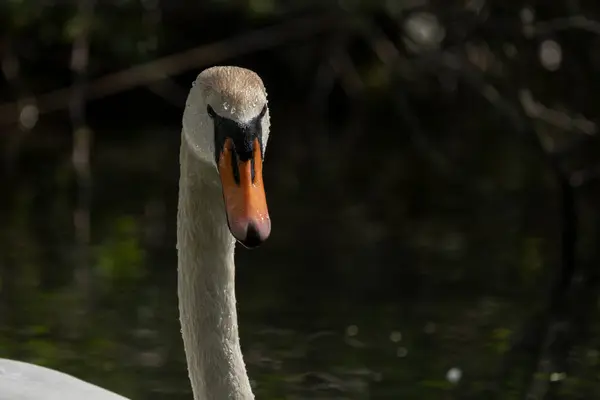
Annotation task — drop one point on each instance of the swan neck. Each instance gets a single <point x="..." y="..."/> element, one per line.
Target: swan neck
<point x="206" y="286"/>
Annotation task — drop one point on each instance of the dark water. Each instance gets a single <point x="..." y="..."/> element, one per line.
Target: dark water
<point x="372" y="286"/>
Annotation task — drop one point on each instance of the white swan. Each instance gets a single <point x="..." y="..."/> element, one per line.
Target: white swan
<point x="221" y="199"/>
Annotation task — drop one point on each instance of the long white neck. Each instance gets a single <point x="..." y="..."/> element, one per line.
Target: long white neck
<point x="206" y="275"/>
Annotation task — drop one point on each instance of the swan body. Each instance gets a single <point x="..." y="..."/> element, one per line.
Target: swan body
<point x="221" y="200"/>
<point x="24" y="381"/>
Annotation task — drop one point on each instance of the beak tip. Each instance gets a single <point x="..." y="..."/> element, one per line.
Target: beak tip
<point x="252" y="234"/>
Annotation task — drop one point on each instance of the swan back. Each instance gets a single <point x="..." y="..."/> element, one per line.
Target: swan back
<point x="23" y="381"/>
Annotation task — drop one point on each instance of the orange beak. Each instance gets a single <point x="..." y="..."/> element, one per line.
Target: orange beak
<point x="245" y="200"/>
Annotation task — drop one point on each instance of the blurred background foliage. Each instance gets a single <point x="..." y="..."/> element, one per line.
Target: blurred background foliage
<point x="432" y="180"/>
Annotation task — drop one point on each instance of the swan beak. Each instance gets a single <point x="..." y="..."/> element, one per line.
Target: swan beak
<point x="244" y="194"/>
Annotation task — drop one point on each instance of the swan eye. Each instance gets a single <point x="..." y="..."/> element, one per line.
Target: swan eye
<point x="263" y="112"/>
<point x="210" y="111"/>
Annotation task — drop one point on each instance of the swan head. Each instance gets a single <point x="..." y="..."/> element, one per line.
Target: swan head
<point x="226" y="124"/>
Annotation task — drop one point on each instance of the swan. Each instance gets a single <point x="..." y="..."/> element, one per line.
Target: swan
<point x="221" y="200"/>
